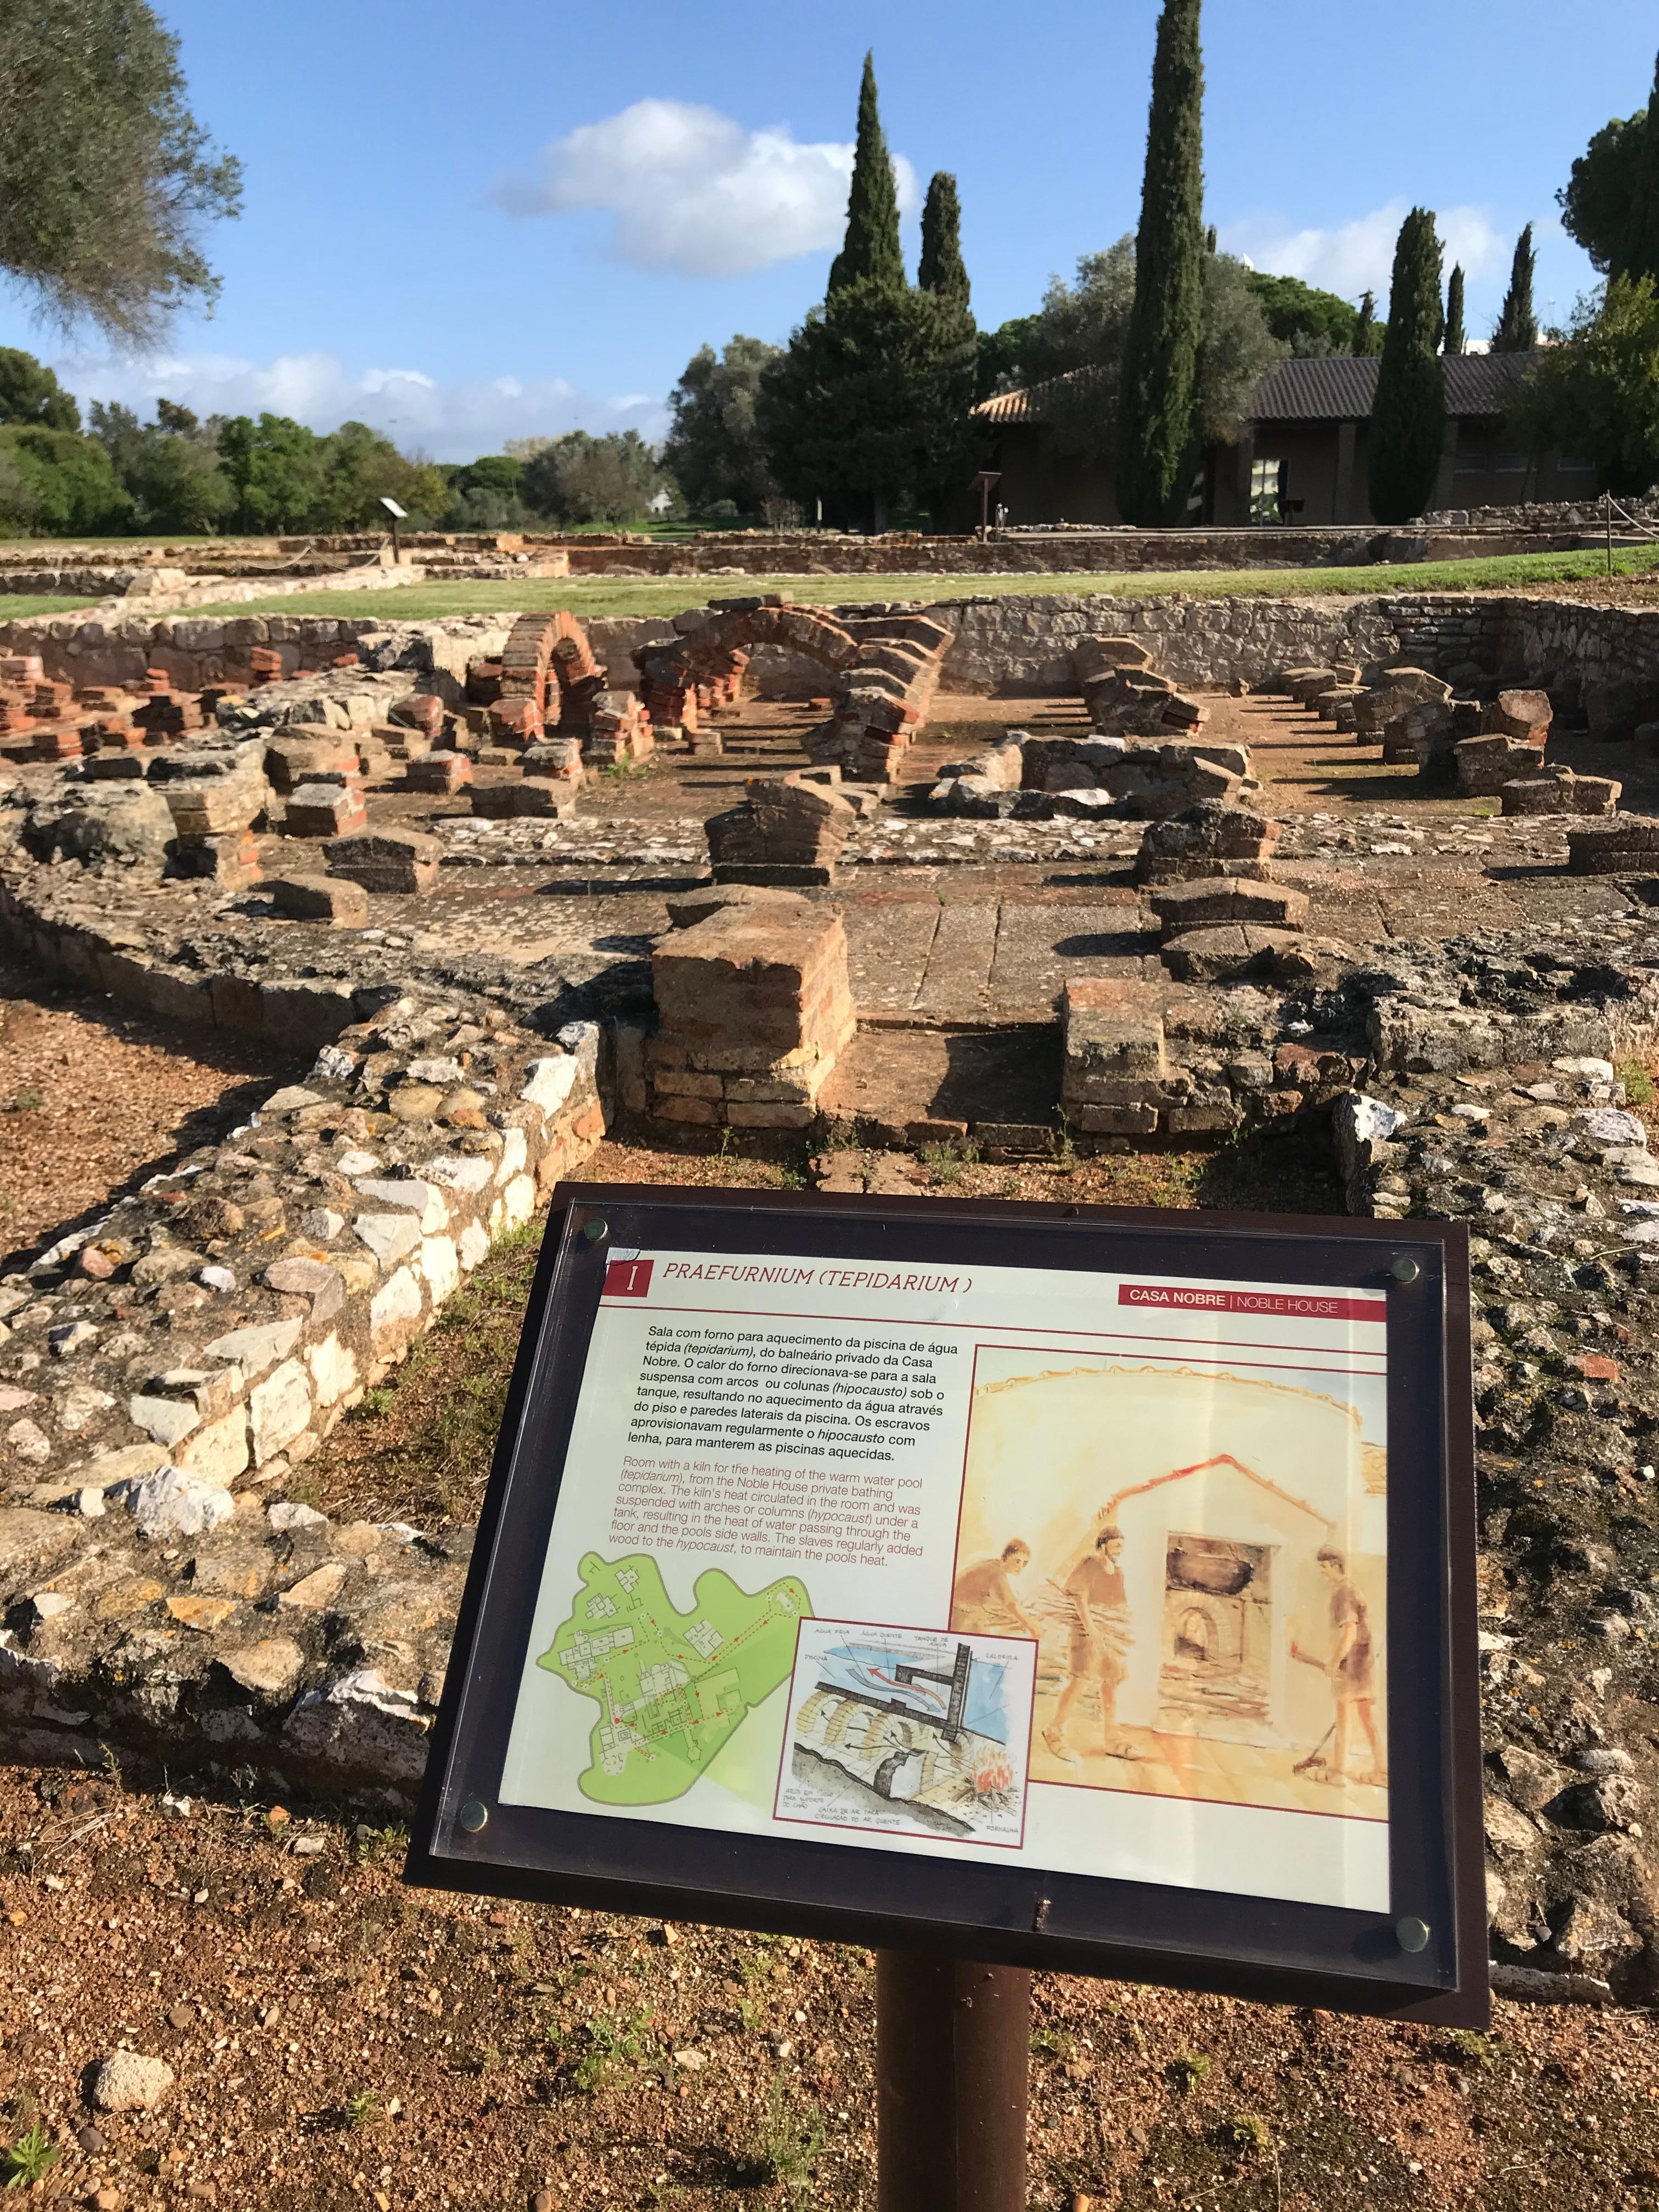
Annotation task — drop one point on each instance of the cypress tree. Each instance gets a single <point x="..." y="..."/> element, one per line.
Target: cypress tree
<point x="948" y="361"/>
<point x="1365" y="329"/>
<point x="1641" y="255"/>
<point x="1517" y="325"/>
<point x="870" y="248"/>
<point x="1456" y="339"/>
<point x="942" y="270"/>
<point x="1157" y="397"/>
<point x="1408" y="417"/>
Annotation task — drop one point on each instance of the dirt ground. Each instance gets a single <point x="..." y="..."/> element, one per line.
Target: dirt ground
<point x="1304" y="765"/>
<point x="338" y="2041"/>
<point x="93" y="1095"/>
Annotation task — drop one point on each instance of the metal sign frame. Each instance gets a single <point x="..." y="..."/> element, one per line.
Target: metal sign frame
<point x="465" y="1838"/>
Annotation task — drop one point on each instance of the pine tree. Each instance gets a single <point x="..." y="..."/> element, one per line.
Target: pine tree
<point x="1408" y="416"/>
<point x="1157" y="402"/>
<point x="868" y="408"/>
<point x="1640" y="256"/>
<point x="942" y="270"/>
<point x="870" y="248"/>
<point x="1455" y="340"/>
<point x="1517" y="325"/>
<point x="1365" y="329"/>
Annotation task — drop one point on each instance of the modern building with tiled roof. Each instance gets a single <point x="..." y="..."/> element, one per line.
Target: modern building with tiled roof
<point x="1302" y="456"/>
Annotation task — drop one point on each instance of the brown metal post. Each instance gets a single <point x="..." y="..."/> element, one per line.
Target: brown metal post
<point x="953" y="2068"/>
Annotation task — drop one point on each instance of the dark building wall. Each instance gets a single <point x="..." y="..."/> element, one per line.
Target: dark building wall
<point x="1039" y="485"/>
<point x="1323" y="466"/>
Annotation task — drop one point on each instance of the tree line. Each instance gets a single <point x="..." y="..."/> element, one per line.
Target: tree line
<point x="269" y="474"/>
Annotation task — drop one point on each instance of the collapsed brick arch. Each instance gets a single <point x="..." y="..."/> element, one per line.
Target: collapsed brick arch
<point x="549" y="675"/>
<point x="806" y="630"/>
<point x="682" y="680"/>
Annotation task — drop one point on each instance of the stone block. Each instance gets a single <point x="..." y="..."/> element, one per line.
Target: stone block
<point x="320" y="898"/>
<point x="763" y="1115"/>
<point x="1559" y="791"/>
<point x="1225" y="955"/>
<point x="218" y="1452"/>
<point x="786" y="831"/>
<point x="1484" y="765"/>
<point x="324" y="810"/>
<point x="1522" y="715"/>
<point x="687" y="909"/>
<point x="1626" y="847"/>
<point x="216" y="805"/>
<point x="1212" y="1115"/>
<point x="231" y="858"/>
<point x="1115" y="1121"/>
<point x="290" y="761"/>
<point x="395" y="1310"/>
<point x="539" y="798"/>
<point x="387" y="860"/>
<point x="440" y="773"/>
<point x="1213" y="901"/>
<point x="1209" y="839"/>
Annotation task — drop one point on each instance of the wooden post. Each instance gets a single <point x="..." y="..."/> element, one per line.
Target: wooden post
<point x="952" y="2070"/>
<point x="1607" y="501"/>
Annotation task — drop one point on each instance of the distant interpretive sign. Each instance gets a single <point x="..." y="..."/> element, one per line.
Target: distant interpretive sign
<point x="1052" y="1586"/>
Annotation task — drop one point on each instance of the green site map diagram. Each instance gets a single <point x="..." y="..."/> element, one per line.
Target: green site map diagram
<point x="672" y="1688"/>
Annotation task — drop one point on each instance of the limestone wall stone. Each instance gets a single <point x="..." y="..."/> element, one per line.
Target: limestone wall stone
<point x="1601" y="658"/>
<point x="164" y="1365"/>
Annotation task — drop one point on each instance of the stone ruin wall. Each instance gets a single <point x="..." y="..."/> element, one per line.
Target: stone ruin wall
<point x="1016" y="646"/>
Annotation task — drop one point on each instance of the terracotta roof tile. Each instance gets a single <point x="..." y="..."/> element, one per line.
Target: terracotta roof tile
<point x="1335" y="389"/>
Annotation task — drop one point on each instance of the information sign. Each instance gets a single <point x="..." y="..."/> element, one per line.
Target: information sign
<point x="1054" y="1586"/>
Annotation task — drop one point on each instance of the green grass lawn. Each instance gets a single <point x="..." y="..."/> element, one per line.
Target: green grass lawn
<point x="630" y="595"/>
<point x="592" y="596"/>
<point x="23" y="606"/>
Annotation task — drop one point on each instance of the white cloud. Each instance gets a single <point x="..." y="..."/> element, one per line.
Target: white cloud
<point x="450" y="420"/>
<point x="695" y="192"/>
<point x="1357" y="257"/>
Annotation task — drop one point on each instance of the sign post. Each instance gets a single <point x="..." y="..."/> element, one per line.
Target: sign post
<point x="398" y="514"/>
<point x="952" y="2074"/>
<point x="985" y="483"/>
<point x="997" y="1586"/>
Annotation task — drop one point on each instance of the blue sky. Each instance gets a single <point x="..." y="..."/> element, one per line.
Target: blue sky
<point x="468" y="220"/>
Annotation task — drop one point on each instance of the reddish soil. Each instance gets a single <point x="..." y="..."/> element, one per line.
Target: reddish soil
<point x="339" y="2042"/>
<point x="93" y="1095"/>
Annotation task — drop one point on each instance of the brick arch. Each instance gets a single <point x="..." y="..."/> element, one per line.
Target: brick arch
<point x="548" y="674"/>
<point x="806" y="630"/>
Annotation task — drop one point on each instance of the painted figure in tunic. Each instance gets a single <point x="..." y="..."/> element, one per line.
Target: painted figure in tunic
<point x="1100" y="1638"/>
<point x="984" y="1599"/>
<point x="1350" y="1668"/>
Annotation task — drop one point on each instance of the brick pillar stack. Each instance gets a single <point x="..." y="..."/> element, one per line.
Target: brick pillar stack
<point x="753" y="1005"/>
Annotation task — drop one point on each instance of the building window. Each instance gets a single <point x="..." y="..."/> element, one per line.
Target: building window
<point x="1574" y="464"/>
<point x="1508" y="465"/>
<point x="1266" y="485"/>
